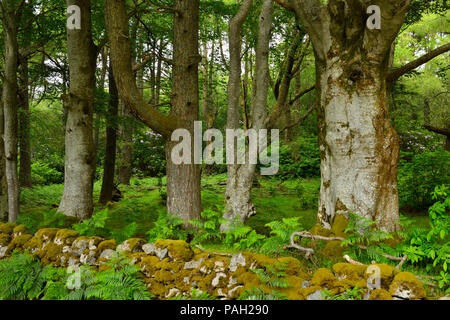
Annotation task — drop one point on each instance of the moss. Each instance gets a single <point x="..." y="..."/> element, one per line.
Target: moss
<point x="132" y="245"/>
<point x="168" y="265"/>
<point x="20" y="229"/>
<point x="261" y="260"/>
<point x="107" y="244"/>
<point x="51" y="253"/>
<point x="66" y="236"/>
<point x="47" y="234"/>
<point x="292" y="292"/>
<point x="333" y="249"/>
<point x="323" y="278"/>
<point x="7" y="227"/>
<point x="340" y="223"/>
<point x="148" y="264"/>
<point x="350" y="271"/>
<point x="305" y="292"/>
<point x="387" y="274"/>
<point x="319" y="230"/>
<point x="249" y="279"/>
<point x="178" y="249"/>
<point x="407" y="281"/>
<point x="4" y="239"/>
<point x="18" y="242"/>
<point x="293" y="266"/>
<point x="157" y="288"/>
<point x="380" y="294"/>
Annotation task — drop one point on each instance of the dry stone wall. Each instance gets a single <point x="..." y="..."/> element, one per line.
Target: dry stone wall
<point x="171" y="267"/>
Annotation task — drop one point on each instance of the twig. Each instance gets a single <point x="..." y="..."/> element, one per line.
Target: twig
<point x="350" y="260"/>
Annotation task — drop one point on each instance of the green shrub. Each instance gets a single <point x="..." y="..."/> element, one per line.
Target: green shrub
<point x="300" y="159"/>
<point x="42" y="173"/>
<point x="418" y="177"/>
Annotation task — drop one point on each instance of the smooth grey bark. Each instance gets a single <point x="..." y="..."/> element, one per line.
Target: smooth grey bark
<point x="358" y="145"/>
<point x="10" y="106"/>
<point x="238" y="203"/>
<point x="77" y="198"/>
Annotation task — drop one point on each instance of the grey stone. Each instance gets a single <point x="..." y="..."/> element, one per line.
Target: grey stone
<point x="107" y="253"/>
<point x="305" y="284"/>
<point x="236" y="260"/>
<point x="194" y="264"/>
<point x="161" y="253"/>
<point x="149" y="248"/>
<point x="317" y="295"/>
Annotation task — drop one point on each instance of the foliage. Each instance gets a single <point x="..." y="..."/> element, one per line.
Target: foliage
<point x="349" y="294"/>
<point x="432" y="249"/>
<point x="281" y="232"/>
<point x="208" y="227"/>
<point x="196" y="294"/>
<point x="300" y="159"/>
<point x="42" y="173"/>
<point x="46" y="219"/>
<point x="419" y="176"/>
<point x="271" y="276"/>
<point x="90" y="227"/>
<point x="23" y="277"/>
<point x="167" y="226"/>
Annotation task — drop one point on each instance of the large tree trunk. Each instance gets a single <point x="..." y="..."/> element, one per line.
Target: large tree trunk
<point x="106" y="192"/>
<point x="238" y="203"/>
<point x="10" y="107"/>
<point x="183" y="180"/>
<point x="24" y="126"/>
<point x="358" y="145"/>
<point x="3" y="184"/>
<point x="77" y="197"/>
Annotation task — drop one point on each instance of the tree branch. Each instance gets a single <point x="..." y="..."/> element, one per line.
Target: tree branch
<point x="393" y="76"/>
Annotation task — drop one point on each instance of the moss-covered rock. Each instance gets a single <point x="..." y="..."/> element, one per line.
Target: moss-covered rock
<point x="406" y="286"/>
<point x="131" y="245"/>
<point x="19" y="230"/>
<point x="387" y="274"/>
<point x="178" y="249"/>
<point x="323" y="278"/>
<point x="293" y="266"/>
<point x="333" y="249"/>
<point x="18" y="243"/>
<point x="65" y="237"/>
<point x="107" y="244"/>
<point x="380" y="294"/>
<point x="349" y="271"/>
<point x="7" y="227"/>
<point x="5" y="239"/>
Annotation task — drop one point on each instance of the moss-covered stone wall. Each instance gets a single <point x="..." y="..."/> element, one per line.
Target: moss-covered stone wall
<point x="172" y="267"/>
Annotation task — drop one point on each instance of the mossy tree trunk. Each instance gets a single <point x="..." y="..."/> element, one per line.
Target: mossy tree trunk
<point x="3" y="184"/>
<point x="358" y="145"/>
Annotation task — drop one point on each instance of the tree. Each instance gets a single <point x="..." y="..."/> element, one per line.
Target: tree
<point x="358" y="145"/>
<point x="240" y="176"/>
<point x="109" y="164"/>
<point x="82" y="55"/>
<point x="9" y="9"/>
<point x="183" y="181"/>
<point x="3" y="184"/>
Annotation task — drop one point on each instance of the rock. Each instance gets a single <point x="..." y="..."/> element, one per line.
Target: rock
<point x="173" y="293"/>
<point x="236" y="261"/>
<point x="445" y="298"/>
<point x="317" y="295"/>
<point x="107" y="253"/>
<point x="88" y="258"/>
<point x="131" y="245"/>
<point x="233" y="293"/>
<point x="219" y="266"/>
<point x="216" y="280"/>
<point x="323" y="278"/>
<point x="306" y="284"/>
<point x="380" y="294"/>
<point x="194" y="264"/>
<point x="149" y="248"/>
<point x="177" y="249"/>
<point x="161" y="253"/>
<point x="3" y="251"/>
<point x="406" y="286"/>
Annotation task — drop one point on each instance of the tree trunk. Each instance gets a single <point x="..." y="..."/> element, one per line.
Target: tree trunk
<point x="77" y="197"/>
<point x="358" y="145"/>
<point x="126" y="149"/>
<point x="183" y="181"/>
<point x="24" y="126"/>
<point x="106" y="192"/>
<point x="238" y="203"/>
<point x="3" y="184"/>
<point x="10" y="106"/>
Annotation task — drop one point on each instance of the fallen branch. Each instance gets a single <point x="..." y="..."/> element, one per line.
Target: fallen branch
<point x="309" y="251"/>
<point x="350" y="260"/>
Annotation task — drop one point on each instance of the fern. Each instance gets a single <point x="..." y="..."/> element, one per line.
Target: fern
<point x="167" y="226"/>
<point x="260" y="294"/>
<point x="281" y="232"/>
<point x="121" y="235"/>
